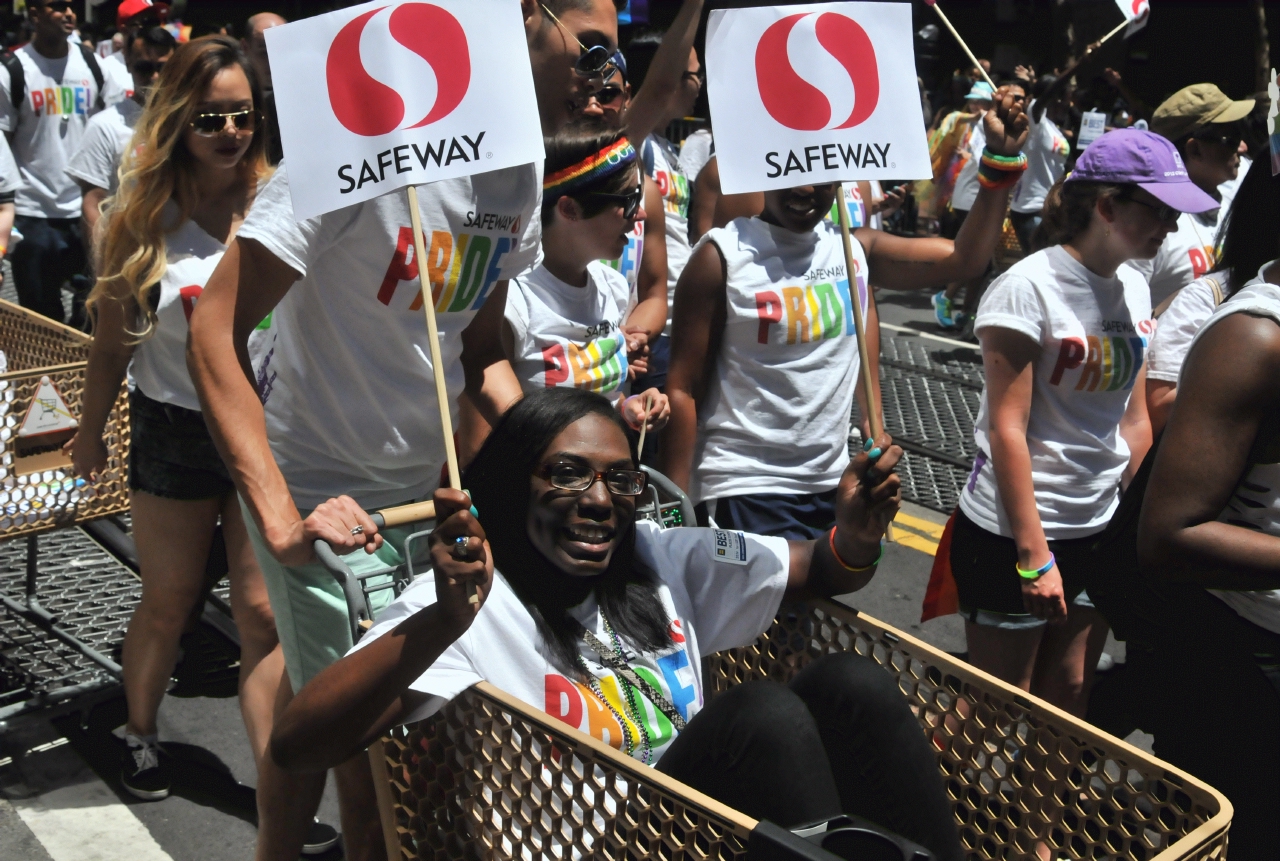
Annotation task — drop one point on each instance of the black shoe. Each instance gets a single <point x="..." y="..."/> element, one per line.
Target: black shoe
<point x="144" y="775"/>
<point x="320" y="838"/>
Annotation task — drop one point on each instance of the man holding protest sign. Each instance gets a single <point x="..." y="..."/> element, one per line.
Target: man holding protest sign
<point x="346" y="421"/>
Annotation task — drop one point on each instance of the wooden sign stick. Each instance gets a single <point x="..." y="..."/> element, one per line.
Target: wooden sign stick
<point x="859" y="324"/>
<point x="947" y="22"/>
<point x="1118" y="28"/>
<point x="644" y="425"/>
<point x="437" y="361"/>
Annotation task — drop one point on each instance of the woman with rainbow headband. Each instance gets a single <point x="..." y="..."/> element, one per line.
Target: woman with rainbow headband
<point x="562" y="323"/>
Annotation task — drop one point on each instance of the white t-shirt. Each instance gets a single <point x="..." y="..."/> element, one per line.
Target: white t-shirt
<point x="1255" y="504"/>
<point x="350" y="400"/>
<point x="10" y="176"/>
<point x="1047" y="149"/>
<point x="776" y="414"/>
<point x="967" y="185"/>
<point x="629" y="263"/>
<point x="1190" y="308"/>
<point x="662" y="165"/>
<point x="695" y="152"/>
<point x="97" y="161"/>
<point x="719" y="589"/>
<point x="1093" y="333"/>
<point x="61" y="96"/>
<point x="1186" y="254"/>
<point x="569" y="336"/>
<point x="117" y="83"/>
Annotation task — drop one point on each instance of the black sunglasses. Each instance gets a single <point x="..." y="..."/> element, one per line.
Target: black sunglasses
<point x="58" y="6"/>
<point x="1163" y="211"/>
<point x="699" y="77"/>
<point x="608" y="94"/>
<point x="593" y="62"/>
<point x="629" y="202"/>
<point x="147" y="68"/>
<point x="1230" y="139"/>
<point x="212" y="124"/>
<point x="577" y="477"/>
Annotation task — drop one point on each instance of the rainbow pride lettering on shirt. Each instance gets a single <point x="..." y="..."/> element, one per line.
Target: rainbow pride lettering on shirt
<point x="674" y="188"/>
<point x="579" y="707"/>
<point x="597" y="366"/>
<point x="1202" y="259"/>
<point x="803" y="313"/>
<point x="857" y="208"/>
<point x="61" y="101"/>
<point x="628" y="265"/>
<point x="461" y="269"/>
<point x="1106" y="363"/>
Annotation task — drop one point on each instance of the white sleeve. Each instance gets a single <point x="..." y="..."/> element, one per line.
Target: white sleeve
<point x="8" y="114"/>
<point x="1011" y="302"/>
<point x="528" y="251"/>
<point x="10" y="179"/>
<point x="734" y="581"/>
<point x="96" y="159"/>
<point x="271" y="223"/>
<point x="450" y="674"/>
<point x="517" y="315"/>
<point x="1145" y="268"/>
<point x="1177" y="328"/>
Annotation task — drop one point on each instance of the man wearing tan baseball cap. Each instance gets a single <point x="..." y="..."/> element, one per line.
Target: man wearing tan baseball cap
<point x="1204" y="124"/>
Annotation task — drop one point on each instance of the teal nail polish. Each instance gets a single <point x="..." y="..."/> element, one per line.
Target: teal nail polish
<point x="874" y="454"/>
<point x="868" y="445"/>
<point x="474" y="513"/>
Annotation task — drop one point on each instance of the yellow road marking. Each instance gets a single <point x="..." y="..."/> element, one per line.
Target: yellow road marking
<point x="916" y="542"/>
<point x="926" y="527"/>
<point x="917" y="533"/>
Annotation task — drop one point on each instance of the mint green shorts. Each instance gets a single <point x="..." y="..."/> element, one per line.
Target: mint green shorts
<point x="309" y="606"/>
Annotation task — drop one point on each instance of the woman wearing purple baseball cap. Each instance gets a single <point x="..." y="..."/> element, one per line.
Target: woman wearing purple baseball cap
<point x="1064" y="334"/>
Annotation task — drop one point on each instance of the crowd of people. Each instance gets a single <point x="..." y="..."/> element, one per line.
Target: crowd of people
<point x="633" y="300"/>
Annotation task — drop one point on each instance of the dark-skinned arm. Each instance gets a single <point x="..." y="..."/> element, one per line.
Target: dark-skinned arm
<point x="697" y="323"/>
<point x="867" y="500"/>
<point x="358" y="697"/>
<point x="1226" y="392"/>
<point x="912" y="264"/>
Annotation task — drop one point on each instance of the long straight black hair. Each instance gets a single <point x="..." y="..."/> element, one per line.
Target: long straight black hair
<point x="1251" y="233"/>
<point x="498" y="480"/>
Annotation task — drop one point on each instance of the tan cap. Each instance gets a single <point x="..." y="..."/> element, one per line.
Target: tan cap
<point x="1196" y="106"/>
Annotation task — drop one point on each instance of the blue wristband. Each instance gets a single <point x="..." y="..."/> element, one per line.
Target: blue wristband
<point x="1039" y="572"/>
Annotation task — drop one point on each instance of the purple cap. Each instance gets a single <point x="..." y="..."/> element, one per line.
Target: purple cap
<point x="1144" y="159"/>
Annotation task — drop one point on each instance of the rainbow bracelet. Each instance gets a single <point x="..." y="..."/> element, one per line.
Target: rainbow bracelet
<point x="1000" y="171"/>
<point x="1039" y="572"/>
<point x="831" y="540"/>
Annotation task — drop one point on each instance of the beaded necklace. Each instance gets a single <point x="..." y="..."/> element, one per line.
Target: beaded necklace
<point x="630" y="705"/>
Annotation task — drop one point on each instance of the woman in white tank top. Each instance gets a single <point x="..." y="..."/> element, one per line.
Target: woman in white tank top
<point x="765" y="359"/>
<point x="562" y="322"/>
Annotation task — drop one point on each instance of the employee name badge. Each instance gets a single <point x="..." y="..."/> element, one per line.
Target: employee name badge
<point x="1092" y="126"/>
<point x="730" y="547"/>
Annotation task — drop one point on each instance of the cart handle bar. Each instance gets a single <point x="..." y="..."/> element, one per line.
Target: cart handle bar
<point x="402" y="514"/>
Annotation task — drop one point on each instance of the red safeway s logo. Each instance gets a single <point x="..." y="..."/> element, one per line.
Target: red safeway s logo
<point x="797" y="103"/>
<point x="369" y="107"/>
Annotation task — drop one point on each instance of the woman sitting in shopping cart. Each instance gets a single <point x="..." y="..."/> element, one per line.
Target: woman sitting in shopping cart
<point x="601" y="620"/>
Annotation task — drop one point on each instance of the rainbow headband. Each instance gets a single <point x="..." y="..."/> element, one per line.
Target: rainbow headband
<point x="611" y="159"/>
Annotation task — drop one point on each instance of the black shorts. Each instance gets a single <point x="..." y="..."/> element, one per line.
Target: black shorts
<point x="797" y="517"/>
<point x="985" y="569"/>
<point x="171" y="453"/>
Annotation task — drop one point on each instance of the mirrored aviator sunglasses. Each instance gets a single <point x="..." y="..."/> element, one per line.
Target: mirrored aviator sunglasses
<point x="577" y="477"/>
<point x="212" y="124"/>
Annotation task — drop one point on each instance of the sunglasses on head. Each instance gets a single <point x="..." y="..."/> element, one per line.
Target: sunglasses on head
<point x="213" y="123"/>
<point x="577" y="477"/>
<point x="629" y="202"/>
<point x="147" y="68"/>
<point x="592" y="62"/>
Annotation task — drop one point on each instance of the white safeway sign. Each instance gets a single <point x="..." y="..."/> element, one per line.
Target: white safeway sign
<point x="817" y="93"/>
<point x="384" y="95"/>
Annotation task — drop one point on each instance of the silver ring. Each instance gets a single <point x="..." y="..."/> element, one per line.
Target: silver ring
<point x="357" y="530"/>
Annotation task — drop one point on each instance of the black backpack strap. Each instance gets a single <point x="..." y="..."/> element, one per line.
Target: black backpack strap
<point x="95" y="68"/>
<point x="17" y="78"/>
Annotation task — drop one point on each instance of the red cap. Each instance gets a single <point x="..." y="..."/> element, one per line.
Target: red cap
<point x="132" y="8"/>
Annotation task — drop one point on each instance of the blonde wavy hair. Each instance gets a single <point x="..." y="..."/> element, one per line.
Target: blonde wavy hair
<point x="157" y="168"/>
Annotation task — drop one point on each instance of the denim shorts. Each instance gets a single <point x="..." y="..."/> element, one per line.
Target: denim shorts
<point x="171" y="453"/>
<point x="988" y="586"/>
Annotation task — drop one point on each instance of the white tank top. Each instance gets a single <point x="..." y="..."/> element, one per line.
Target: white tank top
<point x="776" y="417"/>
<point x="569" y="336"/>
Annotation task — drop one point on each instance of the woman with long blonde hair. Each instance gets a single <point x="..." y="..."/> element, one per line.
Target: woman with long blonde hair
<point x="193" y="168"/>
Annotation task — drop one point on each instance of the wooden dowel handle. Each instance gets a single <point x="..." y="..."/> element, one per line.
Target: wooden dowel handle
<point x="402" y="514"/>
